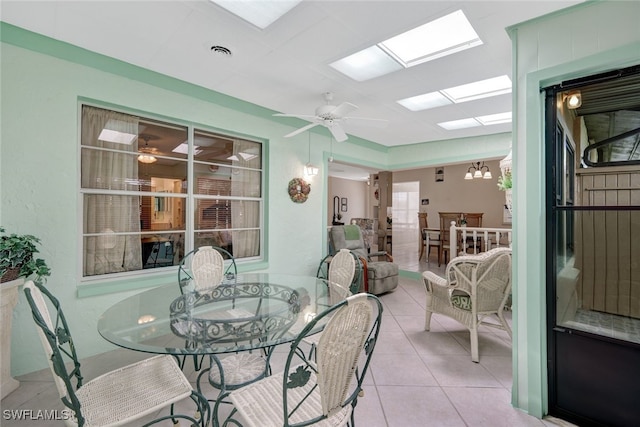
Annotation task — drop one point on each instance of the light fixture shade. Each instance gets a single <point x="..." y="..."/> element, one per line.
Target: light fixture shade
<point x="487" y="175"/>
<point x="146" y="158"/>
<point x="574" y="100"/>
<point x="310" y="170"/>
<point x="468" y="176"/>
<point x="477" y="174"/>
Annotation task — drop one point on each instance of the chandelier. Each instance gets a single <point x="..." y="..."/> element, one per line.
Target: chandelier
<point x="478" y="171"/>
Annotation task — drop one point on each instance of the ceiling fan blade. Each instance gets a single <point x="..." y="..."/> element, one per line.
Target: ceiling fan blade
<point x="344" y="109"/>
<point x="302" y="129"/>
<point x="337" y="132"/>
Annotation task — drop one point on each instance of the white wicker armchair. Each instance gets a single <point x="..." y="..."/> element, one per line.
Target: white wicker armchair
<point x="474" y="288"/>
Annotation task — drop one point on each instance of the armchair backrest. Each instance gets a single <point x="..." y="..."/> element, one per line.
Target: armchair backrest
<point x="486" y="277"/>
<point x="348" y="237"/>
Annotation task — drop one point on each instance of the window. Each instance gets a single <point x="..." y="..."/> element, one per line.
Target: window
<point x="152" y="191"/>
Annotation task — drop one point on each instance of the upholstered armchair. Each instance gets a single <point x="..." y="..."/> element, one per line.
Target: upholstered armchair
<point x="475" y="288"/>
<point x="379" y="276"/>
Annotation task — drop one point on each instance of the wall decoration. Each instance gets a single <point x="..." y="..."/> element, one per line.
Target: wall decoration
<point x="343" y="204"/>
<point x="439" y="174"/>
<point x="299" y="190"/>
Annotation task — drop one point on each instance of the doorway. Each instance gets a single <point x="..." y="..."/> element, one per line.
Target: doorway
<point x="593" y="248"/>
<point x="405" y="204"/>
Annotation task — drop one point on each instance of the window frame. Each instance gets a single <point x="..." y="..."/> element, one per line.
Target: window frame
<point x="190" y="196"/>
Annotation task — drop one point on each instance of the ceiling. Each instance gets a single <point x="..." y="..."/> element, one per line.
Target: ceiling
<point x="285" y="68"/>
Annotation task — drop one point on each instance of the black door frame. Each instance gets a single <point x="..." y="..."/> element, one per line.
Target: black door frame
<point x="592" y="379"/>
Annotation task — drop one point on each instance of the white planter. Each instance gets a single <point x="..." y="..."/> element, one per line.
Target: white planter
<point x="508" y="199"/>
<point x="8" y="300"/>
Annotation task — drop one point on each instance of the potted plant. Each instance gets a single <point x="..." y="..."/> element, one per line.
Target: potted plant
<point x="17" y="257"/>
<point x="505" y="184"/>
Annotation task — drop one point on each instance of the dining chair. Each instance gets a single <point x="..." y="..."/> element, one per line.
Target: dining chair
<point x="206" y="267"/>
<point x="473" y="219"/>
<point x="344" y="268"/>
<point x="203" y="270"/>
<point x="342" y="281"/>
<point x="430" y="238"/>
<point x="474" y="288"/>
<point x="445" y="225"/>
<point x="124" y="395"/>
<point x="323" y="391"/>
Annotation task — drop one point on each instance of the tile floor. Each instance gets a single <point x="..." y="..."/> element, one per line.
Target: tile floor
<point x="417" y="378"/>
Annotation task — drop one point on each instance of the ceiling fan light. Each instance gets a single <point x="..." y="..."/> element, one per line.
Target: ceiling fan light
<point x="146" y="158"/>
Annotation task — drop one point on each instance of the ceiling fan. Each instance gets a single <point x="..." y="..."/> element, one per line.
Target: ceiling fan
<point x="331" y="117"/>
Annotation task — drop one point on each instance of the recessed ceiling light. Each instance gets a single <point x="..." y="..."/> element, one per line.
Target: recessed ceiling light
<point x="259" y="13"/>
<point x="444" y="36"/>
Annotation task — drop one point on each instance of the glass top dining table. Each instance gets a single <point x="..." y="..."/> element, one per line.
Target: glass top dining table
<point x="249" y="311"/>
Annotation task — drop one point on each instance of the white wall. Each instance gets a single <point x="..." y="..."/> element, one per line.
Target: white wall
<point x="356" y="193"/>
<point x="455" y="194"/>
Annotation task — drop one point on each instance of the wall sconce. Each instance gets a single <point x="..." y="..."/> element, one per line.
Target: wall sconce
<point x="477" y="171"/>
<point x="574" y="99"/>
<point x="310" y="170"/>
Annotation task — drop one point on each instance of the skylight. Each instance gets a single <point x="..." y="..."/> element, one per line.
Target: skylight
<point x="444" y="36"/>
<point x="112" y="132"/>
<point x="455" y="95"/>
<point x="447" y="35"/>
<point x="491" y="119"/>
<point x="259" y="13"/>
<point x="184" y="149"/>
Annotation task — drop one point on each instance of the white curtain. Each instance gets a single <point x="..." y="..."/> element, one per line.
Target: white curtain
<point x="246" y="214"/>
<point x="109" y="215"/>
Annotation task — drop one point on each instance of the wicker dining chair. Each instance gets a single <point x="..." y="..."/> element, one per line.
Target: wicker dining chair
<point x="323" y="391"/>
<point x="343" y="281"/>
<point x="206" y="267"/>
<point x="475" y="287"/>
<point x="124" y="395"/>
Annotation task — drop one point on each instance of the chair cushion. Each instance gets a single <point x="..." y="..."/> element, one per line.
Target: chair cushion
<point x="461" y="300"/>
<point x="383" y="277"/>
<point x="381" y="270"/>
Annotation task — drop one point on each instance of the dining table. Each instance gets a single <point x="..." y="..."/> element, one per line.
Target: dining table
<point x="245" y="312"/>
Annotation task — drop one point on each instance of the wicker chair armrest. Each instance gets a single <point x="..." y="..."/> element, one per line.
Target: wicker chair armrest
<point x="432" y="278"/>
